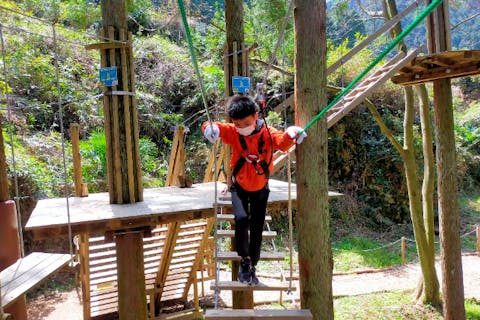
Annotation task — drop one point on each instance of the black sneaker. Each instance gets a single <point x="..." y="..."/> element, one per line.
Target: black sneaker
<point x="254" y="281"/>
<point x="244" y="273"/>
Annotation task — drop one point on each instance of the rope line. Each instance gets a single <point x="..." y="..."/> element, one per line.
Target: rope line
<point x="382" y="55"/>
<point x="49" y="23"/>
<point x="62" y="133"/>
<point x="12" y="147"/>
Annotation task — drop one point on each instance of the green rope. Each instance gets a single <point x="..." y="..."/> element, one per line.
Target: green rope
<point x="395" y="41"/>
<point x="183" y="13"/>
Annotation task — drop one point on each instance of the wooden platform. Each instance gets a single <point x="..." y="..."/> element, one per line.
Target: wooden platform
<point x="27" y="272"/>
<point x="248" y="314"/>
<point x="161" y="205"/>
<point x="449" y="64"/>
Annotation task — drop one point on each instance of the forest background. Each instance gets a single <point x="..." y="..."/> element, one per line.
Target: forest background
<point x="363" y="165"/>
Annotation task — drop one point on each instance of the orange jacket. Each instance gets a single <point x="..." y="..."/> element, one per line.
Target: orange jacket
<point x="251" y="177"/>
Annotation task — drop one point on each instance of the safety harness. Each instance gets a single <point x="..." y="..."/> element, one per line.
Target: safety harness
<point x="261" y="166"/>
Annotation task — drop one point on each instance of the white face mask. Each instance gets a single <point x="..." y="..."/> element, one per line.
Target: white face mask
<point x="246" y="131"/>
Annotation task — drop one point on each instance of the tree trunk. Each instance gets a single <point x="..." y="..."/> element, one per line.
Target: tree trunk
<point x="428" y="290"/>
<point x="438" y="30"/>
<point x="422" y="216"/>
<point x="235" y="40"/>
<point x="313" y="221"/>
<point x="233" y="67"/>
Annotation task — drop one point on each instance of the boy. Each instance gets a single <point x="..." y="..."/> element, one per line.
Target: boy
<point x="252" y="144"/>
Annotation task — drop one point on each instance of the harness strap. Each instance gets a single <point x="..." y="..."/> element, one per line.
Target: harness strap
<point x="263" y="164"/>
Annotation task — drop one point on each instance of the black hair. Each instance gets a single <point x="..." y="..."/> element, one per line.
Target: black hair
<point x="240" y="107"/>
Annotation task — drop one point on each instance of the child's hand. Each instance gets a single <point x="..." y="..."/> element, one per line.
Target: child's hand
<point x="211" y="132"/>
<point x="295" y="132"/>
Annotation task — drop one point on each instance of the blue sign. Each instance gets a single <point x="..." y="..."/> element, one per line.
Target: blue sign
<point x="109" y="76"/>
<point x="241" y="84"/>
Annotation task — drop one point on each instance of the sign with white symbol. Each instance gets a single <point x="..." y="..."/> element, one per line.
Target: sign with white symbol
<point x="109" y="76"/>
<point x="241" y="84"/>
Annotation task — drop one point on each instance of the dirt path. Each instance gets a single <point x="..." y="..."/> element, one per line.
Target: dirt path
<point x="68" y="306"/>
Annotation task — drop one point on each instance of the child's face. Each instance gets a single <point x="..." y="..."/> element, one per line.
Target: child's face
<point x="245" y="122"/>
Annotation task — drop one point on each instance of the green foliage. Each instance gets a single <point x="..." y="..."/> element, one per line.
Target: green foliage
<point x="94" y="161"/>
<point x="472" y="309"/>
<point x="80" y="14"/>
<point x="94" y="157"/>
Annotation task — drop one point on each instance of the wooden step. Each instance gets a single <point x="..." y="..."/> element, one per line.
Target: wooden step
<point x="231" y="217"/>
<point x="249" y="314"/>
<point x="238" y="286"/>
<point x="231" y="234"/>
<point x="28" y="272"/>
<point x="233" y="256"/>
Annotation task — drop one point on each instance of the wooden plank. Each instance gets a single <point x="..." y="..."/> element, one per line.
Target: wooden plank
<point x="127" y="119"/>
<point x="27" y="272"/>
<point x="107" y="117"/>
<point x="231" y="217"/>
<point x="233" y="256"/>
<point x="107" y="45"/>
<point x="437" y="73"/>
<point x="161" y="205"/>
<point x="231" y="234"/>
<point x="248" y="314"/>
<point x="166" y="259"/>
<point x="116" y="183"/>
<point x="238" y="286"/>
<point x="136" y="138"/>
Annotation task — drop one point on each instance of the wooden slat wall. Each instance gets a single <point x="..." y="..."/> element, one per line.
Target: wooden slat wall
<point x="172" y="257"/>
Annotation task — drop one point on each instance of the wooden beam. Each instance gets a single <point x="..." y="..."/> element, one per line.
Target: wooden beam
<point x="108" y="45"/>
<point x="248" y="314"/>
<point x="437" y="73"/>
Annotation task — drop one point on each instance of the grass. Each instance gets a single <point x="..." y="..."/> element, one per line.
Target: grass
<point x="352" y="253"/>
<point x="392" y="306"/>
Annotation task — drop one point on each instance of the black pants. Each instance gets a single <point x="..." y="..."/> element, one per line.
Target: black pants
<point x="249" y="209"/>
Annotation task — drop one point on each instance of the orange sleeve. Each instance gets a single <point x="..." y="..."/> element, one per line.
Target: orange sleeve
<point x="281" y="140"/>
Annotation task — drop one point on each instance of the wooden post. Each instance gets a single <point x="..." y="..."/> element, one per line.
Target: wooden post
<point x="77" y="161"/>
<point x="85" y="274"/>
<point x="121" y="117"/>
<point x="123" y="155"/>
<point x="4" y="194"/>
<point x="9" y="238"/>
<point x="448" y="210"/>
<point x="132" y="303"/>
<point x="478" y="239"/>
<point x="403" y="251"/>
